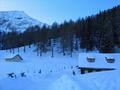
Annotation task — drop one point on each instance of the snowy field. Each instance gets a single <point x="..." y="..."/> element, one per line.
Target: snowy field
<point x="47" y="73"/>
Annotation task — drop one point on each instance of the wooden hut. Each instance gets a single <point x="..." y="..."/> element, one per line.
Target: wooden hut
<point x="16" y="58"/>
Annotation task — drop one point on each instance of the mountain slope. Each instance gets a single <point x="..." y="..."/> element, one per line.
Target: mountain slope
<point x="16" y="20"/>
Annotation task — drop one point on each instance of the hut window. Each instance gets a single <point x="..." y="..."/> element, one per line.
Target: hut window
<point x="90" y="59"/>
<point x="19" y="18"/>
<point x="110" y="60"/>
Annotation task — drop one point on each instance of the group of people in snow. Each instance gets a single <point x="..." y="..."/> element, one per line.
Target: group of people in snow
<point x="13" y="75"/>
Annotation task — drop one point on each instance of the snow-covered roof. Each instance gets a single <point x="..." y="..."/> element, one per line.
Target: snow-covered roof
<point x="100" y="60"/>
<point x="108" y="80"/>
<point x="65" y="82"/>
<point x="9" y="55"/>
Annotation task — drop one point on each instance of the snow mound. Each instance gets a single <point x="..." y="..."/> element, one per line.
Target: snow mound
<point x="65" y="83"/>
<point x="17" y="84"/>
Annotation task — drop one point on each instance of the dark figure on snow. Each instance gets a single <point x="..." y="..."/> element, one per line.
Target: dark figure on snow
<point x="11" y="75"/>
<point x="39" y="71"/>
<point x="23" y="74"/>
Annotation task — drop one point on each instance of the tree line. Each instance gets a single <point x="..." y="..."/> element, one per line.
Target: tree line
<point x="101" y="32"/>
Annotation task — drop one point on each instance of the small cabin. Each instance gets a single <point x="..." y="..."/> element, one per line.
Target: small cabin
<point x="98" y="62"/>
<point x="16" y="58"/>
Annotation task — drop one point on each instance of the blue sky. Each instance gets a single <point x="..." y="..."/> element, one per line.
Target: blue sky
<point x="49" y="11"/>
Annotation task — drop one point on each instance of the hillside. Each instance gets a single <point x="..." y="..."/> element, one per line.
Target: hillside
<point x="97" y="32"/>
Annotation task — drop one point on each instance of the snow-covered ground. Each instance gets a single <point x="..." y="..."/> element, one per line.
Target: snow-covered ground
<point x="47" y="73"/>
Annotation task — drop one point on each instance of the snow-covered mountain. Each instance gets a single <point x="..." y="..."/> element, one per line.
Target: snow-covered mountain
<point x="16" y="20"/>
